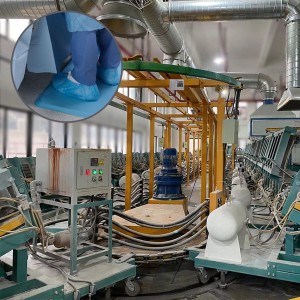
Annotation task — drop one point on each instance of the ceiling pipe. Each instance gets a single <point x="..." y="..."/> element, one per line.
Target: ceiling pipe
<point x="214" y="10"/>
<point x="166" y="35"/>
<point x="33" y="9"/>
<point x="263" y="82"/>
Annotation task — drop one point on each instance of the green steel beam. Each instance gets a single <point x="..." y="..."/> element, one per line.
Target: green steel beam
<point x="14" y="289"/>
<point x="137" y="65"/>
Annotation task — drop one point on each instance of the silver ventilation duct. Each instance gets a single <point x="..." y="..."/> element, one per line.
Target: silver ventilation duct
<point x="166" y="34"/>
<point x="263" y="82"/>
<point x="123" y="19"/>
<point x="214" y="10"/>
<point x="33" y="9"/>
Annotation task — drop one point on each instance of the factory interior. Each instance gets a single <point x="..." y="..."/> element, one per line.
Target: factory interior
<point x="186" y="185"/>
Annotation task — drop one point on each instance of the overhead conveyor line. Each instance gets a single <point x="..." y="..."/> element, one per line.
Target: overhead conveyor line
<point x="138" y="65"/>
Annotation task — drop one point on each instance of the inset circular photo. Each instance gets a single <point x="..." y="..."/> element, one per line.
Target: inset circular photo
<point x="66" y="66"/>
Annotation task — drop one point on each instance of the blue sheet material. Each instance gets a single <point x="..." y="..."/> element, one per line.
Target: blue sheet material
<point x="19" y="59"/>
<point x="67" y="87"/>
<point x="47" y="49"/>
<point x="85" y="55"/>
<point x="81" y="22"/>
<point x="55" y="101"/>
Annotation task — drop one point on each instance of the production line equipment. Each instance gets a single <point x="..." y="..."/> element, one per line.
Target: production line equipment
<point x="169" y="181"/>
<point x="256" y="231"/>
<point x="77" y="183"/>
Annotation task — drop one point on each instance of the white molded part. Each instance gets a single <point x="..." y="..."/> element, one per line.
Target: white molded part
<point x="227" y="233"/>
<point x="228" y="251"/>
<point x="241" y="194"/>
<point x="224" y="223"/>
<point x="239" y="181"/>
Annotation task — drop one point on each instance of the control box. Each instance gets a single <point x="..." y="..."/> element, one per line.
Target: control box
<point x="74" y="172"/>
<point x="230" y="133"/>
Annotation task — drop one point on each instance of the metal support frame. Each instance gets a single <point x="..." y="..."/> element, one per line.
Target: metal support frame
<point x="151" y="156"/>
<point x="220" y="151"/>
<point x="204" y="154"/>
<point x="187" y="157"/>
<point x="199" y="156"/>
<point x="180" y="146"/>
<point x="194" y="158"/>
<point x="129" y="156"/>
<point x="169" y="135"/>
<point x="210" y="154"/>
<point x="76" y="252"/>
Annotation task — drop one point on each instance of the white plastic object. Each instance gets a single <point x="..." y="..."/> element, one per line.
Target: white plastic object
<point x="241" y="194"/>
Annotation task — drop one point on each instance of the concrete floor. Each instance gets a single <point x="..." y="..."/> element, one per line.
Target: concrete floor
<point x="240" y="287"/>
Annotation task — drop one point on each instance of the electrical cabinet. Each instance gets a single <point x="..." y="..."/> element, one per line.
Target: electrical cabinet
<point x="74" y="172"/>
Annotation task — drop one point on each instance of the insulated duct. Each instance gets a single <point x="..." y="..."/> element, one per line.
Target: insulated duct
<point x="33" y="9"/>
<point x="186" y="11"/>
<point x="215" y="10"/>
<point x="260" y="81"/>
<point x="166" y="34"/>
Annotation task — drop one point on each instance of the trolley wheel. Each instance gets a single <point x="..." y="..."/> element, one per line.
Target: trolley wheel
<point x="132" y="288"/>
<point x="203" y="275"/>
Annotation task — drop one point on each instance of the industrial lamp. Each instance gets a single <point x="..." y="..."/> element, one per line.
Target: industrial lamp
<point x="123" y="19"/>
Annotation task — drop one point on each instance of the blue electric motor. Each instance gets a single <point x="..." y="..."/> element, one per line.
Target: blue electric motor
<point x="169" y="181"/>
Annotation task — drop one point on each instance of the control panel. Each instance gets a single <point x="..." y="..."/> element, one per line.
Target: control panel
<point x="74" y="172"/>
<point x="92" y="169"/>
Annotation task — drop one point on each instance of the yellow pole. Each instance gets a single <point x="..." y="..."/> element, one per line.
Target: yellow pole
<point x="194" y="158"/>
<point x="203" y="193"/>
<point x="129" y="156"/>
<point x="199" y="156"/>
<point x="187" y="156"/>
<point x="180" y="147"/>
<point x="169" y="129"/>
<point x="220" y="150"/>
<point x="232" y="156"/>
<point x="210" y="153"/>
<point x="151" y="156"/>
<point x="215" y="154"/>
<point x="165" y="138"/>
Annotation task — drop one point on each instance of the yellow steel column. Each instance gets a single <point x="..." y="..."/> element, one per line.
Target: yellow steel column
<point x="165" y="138"/>
<point x="169" y="130"/>
<point x="215" y="154"/>
<point x="180" y="147"/>
<point x="187" y="156"/>
<point x="151" y="156"/>
<point x="199" y="156"/>
<point x="203" y="193"/>
<point x="210" y="154"/>
<point x="232" y="156"/>
<point x="194" y="158"/>
<point x="220" y="150"/>
<point x="129" y="156"/>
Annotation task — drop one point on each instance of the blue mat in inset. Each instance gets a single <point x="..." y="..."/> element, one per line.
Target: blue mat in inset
<point x="51" y="99"/>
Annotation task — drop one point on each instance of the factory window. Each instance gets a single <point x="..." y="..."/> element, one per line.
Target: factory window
<point x="104" y="137"/>
<point x="84" y="137"/>
<point x="16" y="133"/>
<point x="3" y="27"/>
<point x="93" y="136"/>
<point x="137" y="143"/>
<point x="120" y="141"/>
<point x="58" y="134"/>
<point x="1" y="131"/>
<point x="69" y="135"/>
<point x="124" y="141"/>
<point x="40" y="133"/>
<point x="112" y="139"/>
<point x="16" y="27"/>
<point x="124" y="91"/>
